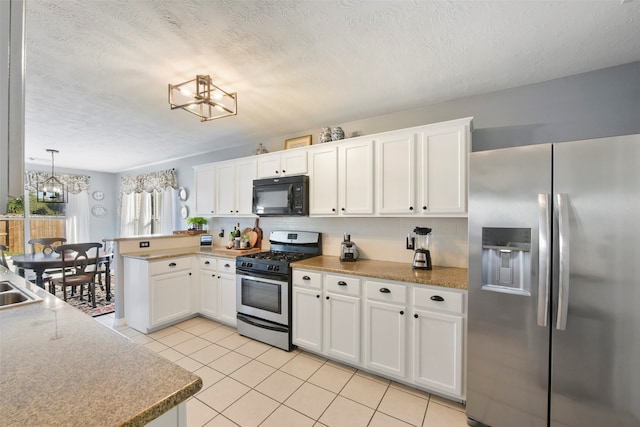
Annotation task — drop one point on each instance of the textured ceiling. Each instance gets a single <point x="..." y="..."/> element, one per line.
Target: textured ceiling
<point x="97" y="71"/>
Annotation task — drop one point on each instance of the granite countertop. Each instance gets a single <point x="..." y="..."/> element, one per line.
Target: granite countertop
<point x="449" y="277"/>
<point x="59" y="366"/>
<point x="216" y="251"/>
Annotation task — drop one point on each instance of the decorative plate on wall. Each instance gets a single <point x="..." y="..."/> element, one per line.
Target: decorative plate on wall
<point x="182" y="194"/>
<point x="97" y="195"/>
<point x="184" y="212"/>
<point x="98" y="211"/>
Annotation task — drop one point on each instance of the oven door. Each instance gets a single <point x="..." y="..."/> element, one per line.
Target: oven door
<point x="264" y="297"/>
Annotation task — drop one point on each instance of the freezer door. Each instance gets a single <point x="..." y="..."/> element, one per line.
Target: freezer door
<point x="508" y="351"/>
<point x="595" y="370"/>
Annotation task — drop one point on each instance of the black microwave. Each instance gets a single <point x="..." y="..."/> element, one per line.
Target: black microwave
<point x="287" y="196"/>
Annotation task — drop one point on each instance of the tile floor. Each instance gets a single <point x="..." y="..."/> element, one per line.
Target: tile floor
<point x="248" y="383"/>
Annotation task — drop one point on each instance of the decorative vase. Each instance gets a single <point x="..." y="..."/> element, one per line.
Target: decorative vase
<point x="337" y="133"/>
<point x="325" y="135"/>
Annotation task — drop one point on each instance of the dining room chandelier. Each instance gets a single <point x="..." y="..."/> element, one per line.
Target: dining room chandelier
<point x="51" y="190"/>
<point x="202" y="98"/>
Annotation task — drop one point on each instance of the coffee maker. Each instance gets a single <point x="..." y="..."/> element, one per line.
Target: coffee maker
<point x="420" y="244"/>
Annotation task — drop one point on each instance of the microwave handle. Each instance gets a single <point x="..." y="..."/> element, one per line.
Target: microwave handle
<point x="290" y="198"/>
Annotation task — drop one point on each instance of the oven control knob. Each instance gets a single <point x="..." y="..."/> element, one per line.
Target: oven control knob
<point x="270" y="267"/>
<point x="276" y="268"/>
<point x="249" y="264"/>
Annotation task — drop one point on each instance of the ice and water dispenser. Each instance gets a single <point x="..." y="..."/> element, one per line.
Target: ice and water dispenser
<point x="506" y="260"/>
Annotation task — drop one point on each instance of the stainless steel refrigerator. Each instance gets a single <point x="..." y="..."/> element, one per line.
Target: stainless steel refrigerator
<point x="554" y="285"/>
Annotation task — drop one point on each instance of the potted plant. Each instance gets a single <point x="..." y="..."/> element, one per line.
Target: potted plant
<point x="196" y="222"/>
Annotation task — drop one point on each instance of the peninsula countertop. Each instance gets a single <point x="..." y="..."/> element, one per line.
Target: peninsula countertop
<point x="217" y="251"/>
<point x="59" y="366"/>
<point x="449" y="277"/>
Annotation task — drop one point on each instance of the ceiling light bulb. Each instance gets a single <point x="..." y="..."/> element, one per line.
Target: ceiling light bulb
<point x="217" y="95"/>
<point x="185" y="91"/>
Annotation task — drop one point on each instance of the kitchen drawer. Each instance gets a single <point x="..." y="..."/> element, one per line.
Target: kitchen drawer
<point x="226" y="265"/>
<point x="438" y="299"/>
<point x="342" y="284"/>
<point x="387" y="292"/>
<point x="170" y="265"/>
<point x="307" y="279"/>
<point x="207" y="263"/>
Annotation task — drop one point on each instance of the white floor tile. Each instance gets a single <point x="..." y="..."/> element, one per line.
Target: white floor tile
<point x="310" y="400"/>
<point x="404" y="406"/>
<point x="251" y="409"/>
<point x="287" y="417"/>
<point x="223" y="394"/>
<point x="198" y="414"/>
<point x="346" y="413"/>
<point x="279" y="386"/>
<point x="443" y="416"/>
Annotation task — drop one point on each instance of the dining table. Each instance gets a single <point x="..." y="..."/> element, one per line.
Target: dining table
<point x="40" y="262"/>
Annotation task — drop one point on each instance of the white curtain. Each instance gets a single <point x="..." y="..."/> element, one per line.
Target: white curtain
<point x="128" y="215"/>
<point x="168" y="199"/>
<point x="77" y="218"/>
<point x="144" y="221"/>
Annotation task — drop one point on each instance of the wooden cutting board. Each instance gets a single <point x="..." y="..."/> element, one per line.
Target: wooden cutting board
<point x="253" y="238"/>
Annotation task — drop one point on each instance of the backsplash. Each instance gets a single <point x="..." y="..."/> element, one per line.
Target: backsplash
<point x="376" y="238"/>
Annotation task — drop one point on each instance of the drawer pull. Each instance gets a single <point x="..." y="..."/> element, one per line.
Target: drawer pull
<point x="207" y="263"/>
<point x="385" y="290"/>
<point x="173" y="264"/>
<point x="227" y="266"/>
<point x="437" y="298"/>
<point x="306" y="278"/>
<point x="342" y="283"/>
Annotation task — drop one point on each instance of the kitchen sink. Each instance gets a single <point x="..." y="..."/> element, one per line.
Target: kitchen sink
<point x="12" y="295"/>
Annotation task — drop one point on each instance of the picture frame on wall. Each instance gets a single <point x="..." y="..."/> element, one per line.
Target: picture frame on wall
<point x="300" y="141"/>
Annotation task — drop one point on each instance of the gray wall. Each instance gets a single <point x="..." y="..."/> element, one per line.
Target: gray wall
<point x="595" y="104"/>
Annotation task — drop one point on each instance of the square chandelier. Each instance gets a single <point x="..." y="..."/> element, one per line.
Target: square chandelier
<point x="204" y="99"/>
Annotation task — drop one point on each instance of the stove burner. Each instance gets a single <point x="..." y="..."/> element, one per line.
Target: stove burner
<point x="278" y="256"/>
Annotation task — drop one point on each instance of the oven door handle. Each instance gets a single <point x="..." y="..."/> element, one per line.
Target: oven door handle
<point x="267" y="277"/>
<point x="262" y="325"/>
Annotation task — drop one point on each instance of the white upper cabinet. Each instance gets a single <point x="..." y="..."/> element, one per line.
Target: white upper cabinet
<point x="323" y="180"/>
<point x="286" y="163"/>
<point x="341" y="179"/>
<point x="205" y="178"/>
<point x="234" y="179"/>
<point x="442" y="183"/>
<point x="396" y="173"/>
<point x="423" y="170"/>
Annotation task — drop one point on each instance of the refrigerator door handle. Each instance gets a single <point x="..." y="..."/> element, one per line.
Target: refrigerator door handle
<point x="564" y="260"/>
<point x="544" y="257"/>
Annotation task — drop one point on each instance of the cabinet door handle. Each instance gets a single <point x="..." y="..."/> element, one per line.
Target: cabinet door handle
<point x="227" y="266"/>
<point x="410" y="208"/>
<point x="385" y="290"/>
<point x="317" y="296"/>
<point x="342" y="283"/>
<point x="424" y="208"/>
<point x="306" y="278"/>
<point x="415" y="316"/>
<point x="327" y="297"/>
<point x="401" y="313"/>
<point x="173" y="264"/>
<point x="437" y="298"/>
<point x="333" y="209"/>
<point x="207" y="263"/>
<point x="343" y="209"/>
<point x="284" y="171"/>
<point x="189" y="274"/>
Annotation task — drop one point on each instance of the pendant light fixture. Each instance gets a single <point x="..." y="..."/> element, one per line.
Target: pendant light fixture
<point x="204" y="99"/>
<point x="51" y="190"/>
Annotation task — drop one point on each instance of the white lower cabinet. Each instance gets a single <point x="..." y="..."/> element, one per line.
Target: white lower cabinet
<point x="326" y="314"/>
<point x="342" y="318"/>
<point x="385" y="327"/>
<point x="408" y="332"/>
<point x="438" y="338"/>
<point x="218" y="289"/>
<point x="158" y="293"/>
<point x="307" y="310"/>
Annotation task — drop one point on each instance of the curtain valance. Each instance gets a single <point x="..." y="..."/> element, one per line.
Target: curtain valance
<point x="148" y="182"/>
<point x="75" y="183"/>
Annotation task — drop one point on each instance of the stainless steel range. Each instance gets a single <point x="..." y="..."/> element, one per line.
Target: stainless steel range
<point x="264" y="286"/>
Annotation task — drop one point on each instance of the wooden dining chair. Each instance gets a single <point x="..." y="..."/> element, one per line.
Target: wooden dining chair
<point x="80" y="268"/>
<point x="3" y="260"/>
<point x="47" y="246"/>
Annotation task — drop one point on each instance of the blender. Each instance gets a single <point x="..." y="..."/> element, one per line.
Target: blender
<point x="420" y="243"/>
